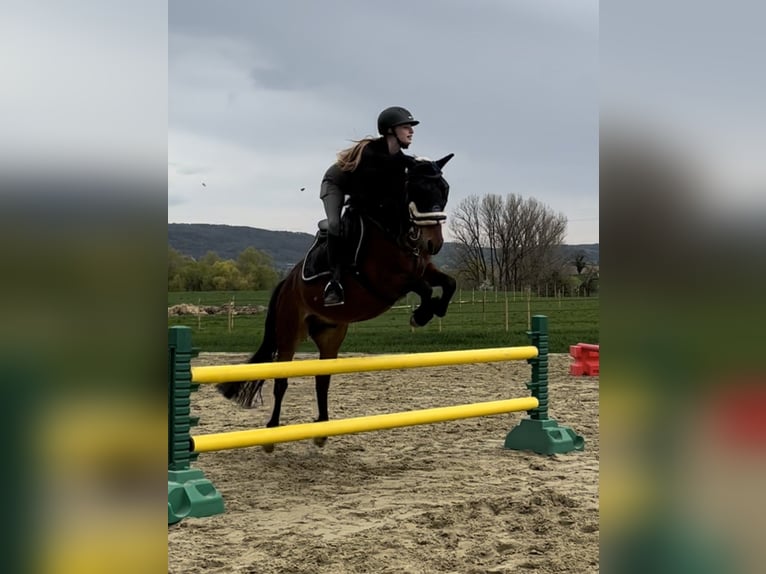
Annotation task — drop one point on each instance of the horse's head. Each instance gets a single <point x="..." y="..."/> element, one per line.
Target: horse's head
<point x="427" y="193"/>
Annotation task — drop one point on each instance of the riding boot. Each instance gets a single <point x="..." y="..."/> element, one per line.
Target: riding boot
<point x="333" y="291"/>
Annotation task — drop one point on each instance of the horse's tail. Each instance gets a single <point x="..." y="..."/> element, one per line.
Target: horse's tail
<point x="246" y="393"/>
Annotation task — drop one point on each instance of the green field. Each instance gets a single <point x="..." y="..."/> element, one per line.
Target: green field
<point x="471" y="322"/>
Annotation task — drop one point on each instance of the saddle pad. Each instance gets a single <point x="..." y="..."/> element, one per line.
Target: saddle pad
<point x="315" y="263"/>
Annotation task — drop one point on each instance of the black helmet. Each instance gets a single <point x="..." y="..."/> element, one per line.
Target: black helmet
<point x="394" y="116"/>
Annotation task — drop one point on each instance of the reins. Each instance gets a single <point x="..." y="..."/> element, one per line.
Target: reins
<point x="404" y="240"/>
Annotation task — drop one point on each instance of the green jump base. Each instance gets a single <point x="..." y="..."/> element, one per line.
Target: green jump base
<point x="191" y="494"/>
<point x="543" y="437"/>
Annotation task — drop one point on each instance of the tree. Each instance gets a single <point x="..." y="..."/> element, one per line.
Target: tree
<point x="176" y="264"/>
<point x="579" y="261"/>
<point x="209" y="259"/>
<point x="225" y="276"/>
<point x="517" y="237"/>
<point x="193" y="275"/>
<point x="590" y="281"/>
<point x="490" y="228"/>
<point x="465" y="224"/>
<point x="252" y="270"/>
<point x="257" y="268"/>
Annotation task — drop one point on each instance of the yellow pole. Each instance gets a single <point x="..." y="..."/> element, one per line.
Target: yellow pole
<point x="256" y="371"/>
<point x="242" y="439"/>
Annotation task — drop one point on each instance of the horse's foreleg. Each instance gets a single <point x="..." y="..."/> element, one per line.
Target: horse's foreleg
<point x="424" y="312"/>
<point x="437" y="278"/>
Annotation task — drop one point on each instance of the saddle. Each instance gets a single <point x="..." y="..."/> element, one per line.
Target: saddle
<point x="315" y="264"/>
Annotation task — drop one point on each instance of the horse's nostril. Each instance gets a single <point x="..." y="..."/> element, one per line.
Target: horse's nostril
<point x="430" y="247"/>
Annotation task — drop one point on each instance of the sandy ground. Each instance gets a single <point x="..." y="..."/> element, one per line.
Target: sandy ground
<point x="443" y="498"/>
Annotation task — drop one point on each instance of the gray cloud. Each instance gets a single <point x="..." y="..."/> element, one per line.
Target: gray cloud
<point x="511" y="88"/>
<point x="174" y="199"/>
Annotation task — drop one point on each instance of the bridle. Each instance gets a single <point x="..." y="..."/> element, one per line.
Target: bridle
<point x="409" y="240"/>
<point x="418" y="220"/>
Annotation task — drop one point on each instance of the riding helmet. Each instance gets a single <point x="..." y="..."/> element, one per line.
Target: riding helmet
<point x="394" y="116"/>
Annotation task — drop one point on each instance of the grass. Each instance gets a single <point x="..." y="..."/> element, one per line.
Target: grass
<point x="467" y="325"/>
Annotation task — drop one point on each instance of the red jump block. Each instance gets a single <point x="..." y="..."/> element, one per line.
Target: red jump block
<point x="585" y="358"/>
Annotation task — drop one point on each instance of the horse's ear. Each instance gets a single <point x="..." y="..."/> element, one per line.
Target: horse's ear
<point x="443" y="161"/>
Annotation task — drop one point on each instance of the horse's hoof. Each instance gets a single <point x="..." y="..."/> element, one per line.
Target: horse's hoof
<point x="320" y="441"/>
<point x="269" y="448"/>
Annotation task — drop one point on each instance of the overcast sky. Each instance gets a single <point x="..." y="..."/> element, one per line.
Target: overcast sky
<point x="262" y="95"/>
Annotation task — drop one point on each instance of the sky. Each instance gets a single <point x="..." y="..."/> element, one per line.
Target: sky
<point x="262" y="95"/>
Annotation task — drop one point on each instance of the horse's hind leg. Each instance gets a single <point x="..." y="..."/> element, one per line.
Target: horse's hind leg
<point x="328" y="339"/>
<point x="286" y="352"/>
<point x="280" y="388"/>
<point x="322" y="390"/>
<point x="280" y="385"/>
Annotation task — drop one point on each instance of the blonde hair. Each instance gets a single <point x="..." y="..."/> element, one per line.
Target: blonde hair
<point x="349" y="158"/>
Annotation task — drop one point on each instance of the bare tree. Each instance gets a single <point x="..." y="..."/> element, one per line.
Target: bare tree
<point x="465" y="224"/>
<point x="547" y="232"/>
<point x="519" y="237"/>
<point x="491" y="228"/>
<point x="513" y="240"/>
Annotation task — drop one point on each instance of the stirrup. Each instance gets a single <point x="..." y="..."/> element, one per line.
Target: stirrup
<point x="333" y="294"/>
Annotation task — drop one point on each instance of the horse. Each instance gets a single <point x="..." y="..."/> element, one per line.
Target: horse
<point x="392" y="259"/>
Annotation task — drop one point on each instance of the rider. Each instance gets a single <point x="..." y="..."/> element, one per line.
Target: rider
<point x="373" y="172"/>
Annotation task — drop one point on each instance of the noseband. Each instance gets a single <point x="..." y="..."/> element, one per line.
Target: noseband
<point x="428" y="218"/>
<point x="413" y="238"/>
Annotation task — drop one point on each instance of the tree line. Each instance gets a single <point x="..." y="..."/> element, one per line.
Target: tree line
<point x="252" y="270"/>
<point x="511" y="244"/>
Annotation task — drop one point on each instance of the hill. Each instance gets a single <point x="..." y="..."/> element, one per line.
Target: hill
<point x="286" y="247"/>
<point x="195" y="239"/>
